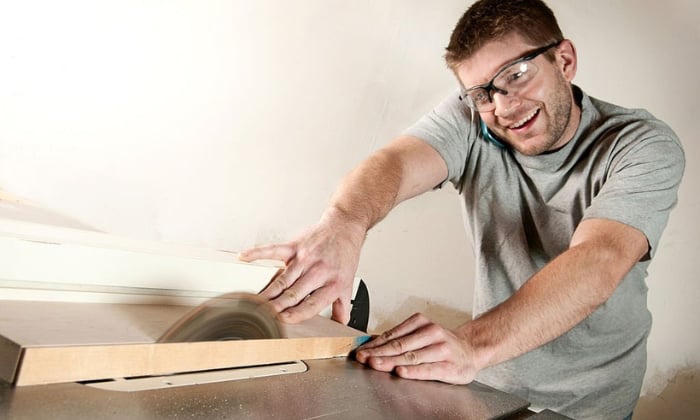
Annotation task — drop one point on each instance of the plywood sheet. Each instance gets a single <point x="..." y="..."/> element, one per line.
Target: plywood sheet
<point x="50" y="342"/>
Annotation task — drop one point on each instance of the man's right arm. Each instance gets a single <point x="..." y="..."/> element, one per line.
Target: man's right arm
<point x="321" y="263"/>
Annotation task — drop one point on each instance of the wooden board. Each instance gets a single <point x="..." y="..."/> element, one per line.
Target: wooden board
<point x="51" y="342"/>
<point x="44" y="262"/>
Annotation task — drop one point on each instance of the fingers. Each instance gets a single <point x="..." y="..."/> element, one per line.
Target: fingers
<point x="281" y="252"/>
<point x="319" y="268"/>
<point x="284" y="290"/>
<point x="309" y="306"/>
<point x="298" y="294"/>
<point x="282" y="282"/>
<point x="341" y="308"/>
<point x="418" y="349"/>
<point x="441" y="371"/>
<point x="287" y="290"/>
<point x="396" y="336"/>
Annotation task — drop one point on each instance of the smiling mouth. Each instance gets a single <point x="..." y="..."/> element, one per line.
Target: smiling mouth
<point x="524" y="120"/>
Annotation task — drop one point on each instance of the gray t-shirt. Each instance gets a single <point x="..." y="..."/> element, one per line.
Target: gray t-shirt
<point x="622" y="164"/>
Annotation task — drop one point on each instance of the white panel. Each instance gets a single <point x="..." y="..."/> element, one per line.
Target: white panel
<point x="55" y="263"/>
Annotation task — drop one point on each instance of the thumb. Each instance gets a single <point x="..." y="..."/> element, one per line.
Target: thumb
<point x="341" y="310"/>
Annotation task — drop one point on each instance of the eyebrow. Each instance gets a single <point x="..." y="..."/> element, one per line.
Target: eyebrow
<point x="504" y="65"/>
<point x="514" y="60"/>
<point x="486" y="81"/>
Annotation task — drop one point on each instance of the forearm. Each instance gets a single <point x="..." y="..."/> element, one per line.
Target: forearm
<point x="369" y="192"/>
<point x="403" y="169"/>
<point x="554" y="300"/>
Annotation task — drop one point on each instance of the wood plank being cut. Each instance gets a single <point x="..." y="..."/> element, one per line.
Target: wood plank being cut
<point x="51" y="342"/>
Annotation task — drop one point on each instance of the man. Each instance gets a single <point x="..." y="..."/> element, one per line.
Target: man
<point x="566" y="197"/>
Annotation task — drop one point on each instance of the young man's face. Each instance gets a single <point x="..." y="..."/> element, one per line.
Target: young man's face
<point x="542" y="116"/>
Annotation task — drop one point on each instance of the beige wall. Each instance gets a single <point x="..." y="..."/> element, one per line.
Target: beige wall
<point x="224" y="124"/>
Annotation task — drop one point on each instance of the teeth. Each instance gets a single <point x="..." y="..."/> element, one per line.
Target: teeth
<point x="524" y="120"/>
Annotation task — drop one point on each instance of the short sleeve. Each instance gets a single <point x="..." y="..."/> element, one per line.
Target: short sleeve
<point x="449" y="128"/>
<point x="642" y="185"/>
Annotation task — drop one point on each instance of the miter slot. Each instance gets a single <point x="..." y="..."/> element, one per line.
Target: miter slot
<point x="146" y="383"/>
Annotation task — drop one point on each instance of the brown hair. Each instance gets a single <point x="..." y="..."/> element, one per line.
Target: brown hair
<point x="491" y="20"/>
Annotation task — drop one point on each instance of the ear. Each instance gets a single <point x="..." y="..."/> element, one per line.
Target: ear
<point x="566" y="59"/>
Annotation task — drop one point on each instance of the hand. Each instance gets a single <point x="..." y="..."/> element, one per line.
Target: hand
<point x="320" y="268"/>
<point x="420" y="349"/>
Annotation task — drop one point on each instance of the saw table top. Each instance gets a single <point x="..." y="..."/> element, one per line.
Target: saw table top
<point x="335" y="388"/>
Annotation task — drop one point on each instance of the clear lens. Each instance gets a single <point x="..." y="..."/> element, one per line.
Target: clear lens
<point x="516" y="76"/>
<point x="509" y="81"/>
<point x="479" y="98"/>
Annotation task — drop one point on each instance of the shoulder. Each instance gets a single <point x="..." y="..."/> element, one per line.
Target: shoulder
<point x="629" y="132"/>
<point x="632" y="122"/>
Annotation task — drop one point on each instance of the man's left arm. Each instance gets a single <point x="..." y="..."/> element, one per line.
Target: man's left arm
<point x="549" y="304"/>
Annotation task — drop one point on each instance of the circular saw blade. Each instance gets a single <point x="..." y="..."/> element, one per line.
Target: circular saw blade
<point x="233" y="316"/>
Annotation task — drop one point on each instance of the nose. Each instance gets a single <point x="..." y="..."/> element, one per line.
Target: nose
<point x="504" y="103"/>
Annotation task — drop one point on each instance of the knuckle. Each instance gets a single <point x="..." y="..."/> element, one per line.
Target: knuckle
<point x="282" y="282"/>
<point x="443" y="350"/>
<point x="302" y="253"/>
<point x="411" y="358"/>
<point x="398" y="345"/>
<point x="281" y="278"/>
<point x="312" y="302"/>
<point x="291" y="295"/>
<point x="387" y="335"/>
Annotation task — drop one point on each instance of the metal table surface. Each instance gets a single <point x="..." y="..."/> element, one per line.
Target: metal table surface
<point x="330" y="389"/>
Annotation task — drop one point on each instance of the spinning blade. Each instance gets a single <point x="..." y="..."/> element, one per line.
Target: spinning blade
<point x="232" y="316"/>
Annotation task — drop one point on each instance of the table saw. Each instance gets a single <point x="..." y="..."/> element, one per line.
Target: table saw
<point x="85" y="332"/>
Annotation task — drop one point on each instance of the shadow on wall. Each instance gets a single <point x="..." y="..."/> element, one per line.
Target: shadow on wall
<point x="679" y="400"/>
<point x="446" y="316"/>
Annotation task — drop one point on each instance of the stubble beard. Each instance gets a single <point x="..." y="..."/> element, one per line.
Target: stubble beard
<point x="558" y="108"/>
